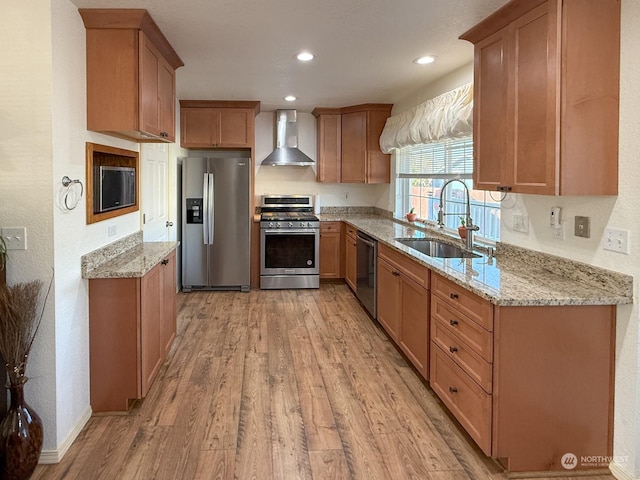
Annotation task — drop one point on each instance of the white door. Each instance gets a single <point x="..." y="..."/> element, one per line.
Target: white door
<point x="155" y="192"/>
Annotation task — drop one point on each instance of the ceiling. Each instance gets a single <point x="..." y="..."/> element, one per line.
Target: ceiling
<point x="244" y="49"/>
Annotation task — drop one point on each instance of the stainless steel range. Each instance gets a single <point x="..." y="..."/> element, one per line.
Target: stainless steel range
<point x="289" y="242"/>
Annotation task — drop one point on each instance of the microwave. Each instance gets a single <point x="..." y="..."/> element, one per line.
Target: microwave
<point x="113" y="188"/>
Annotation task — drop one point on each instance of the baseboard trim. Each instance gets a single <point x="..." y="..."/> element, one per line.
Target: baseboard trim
<point x="619" y="473"/>
<point x="54" y="456"/>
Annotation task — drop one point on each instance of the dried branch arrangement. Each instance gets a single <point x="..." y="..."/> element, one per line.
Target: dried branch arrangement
<point x="19" y="322"/>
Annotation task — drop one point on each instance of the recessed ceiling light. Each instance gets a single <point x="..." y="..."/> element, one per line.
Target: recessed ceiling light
<point x="290" y="98"/>
<point x="305" y="56"/>
<point x="425" y="60"/>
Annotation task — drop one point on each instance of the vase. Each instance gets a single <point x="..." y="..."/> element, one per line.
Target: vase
<point x="462" y="231"/>
<point x="20" y="437"/>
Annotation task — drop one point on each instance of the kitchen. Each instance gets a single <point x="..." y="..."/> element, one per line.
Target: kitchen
<point x="62" y="342"/>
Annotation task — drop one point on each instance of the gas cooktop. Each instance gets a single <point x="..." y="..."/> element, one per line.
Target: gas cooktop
<point x="286" y="216"/>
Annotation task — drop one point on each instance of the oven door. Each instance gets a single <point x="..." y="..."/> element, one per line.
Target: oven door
<point x="289" y="252"/>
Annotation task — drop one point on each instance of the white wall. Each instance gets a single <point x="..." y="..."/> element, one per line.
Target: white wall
<point x="25" y="177"/>
<point x="461" y="76"/>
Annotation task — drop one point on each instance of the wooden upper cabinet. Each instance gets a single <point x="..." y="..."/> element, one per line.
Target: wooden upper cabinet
<point x="356" y="157"/>
<point x="546" y="93"/>
<point x="206" y="124"/>
<point x="130" y="76"/>
<point x="329" y="159"/>
<point x="354" y="145"/>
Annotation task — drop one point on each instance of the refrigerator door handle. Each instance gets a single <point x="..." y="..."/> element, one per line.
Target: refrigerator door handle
<point x="210" y="206"/>
<point x="205" y="206"/>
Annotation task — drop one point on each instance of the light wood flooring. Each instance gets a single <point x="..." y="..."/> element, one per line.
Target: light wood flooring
<point x="286" y="385"/>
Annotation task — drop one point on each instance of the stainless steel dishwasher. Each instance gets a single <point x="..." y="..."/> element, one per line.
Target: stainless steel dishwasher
<point x="366" y="255"/>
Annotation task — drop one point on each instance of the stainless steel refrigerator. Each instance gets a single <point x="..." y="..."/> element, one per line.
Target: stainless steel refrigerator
<point x="216" y="223"/>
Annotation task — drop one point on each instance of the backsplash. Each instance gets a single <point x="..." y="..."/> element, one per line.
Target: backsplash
<point x="356" y="211"/>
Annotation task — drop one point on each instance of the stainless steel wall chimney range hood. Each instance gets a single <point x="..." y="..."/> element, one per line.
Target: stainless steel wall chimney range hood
<point x="286" y="152"/>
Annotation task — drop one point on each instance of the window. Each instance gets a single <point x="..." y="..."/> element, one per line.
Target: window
<point x="423" y="169"/>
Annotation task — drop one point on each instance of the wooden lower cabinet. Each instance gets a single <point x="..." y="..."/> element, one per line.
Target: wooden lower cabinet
<point x="132" y="325"/>
<point x="403" y="305"/>
<point x="350" y="256"/>
<point x="330" y="250"/>
<point x="389" y="299"/>
<point x="529" y="384"/>
<point x="470" y="404"/>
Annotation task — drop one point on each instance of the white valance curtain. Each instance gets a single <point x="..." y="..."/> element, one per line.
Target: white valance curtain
<point x="449" y="115"/>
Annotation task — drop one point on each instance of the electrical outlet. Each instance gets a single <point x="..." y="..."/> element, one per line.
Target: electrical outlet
<point x="15" y="238"/>
<point x="112" y="230"/>
<point x="520" y="223"/>
<point x="558" y="232"/>
<point x="616" y="240"/>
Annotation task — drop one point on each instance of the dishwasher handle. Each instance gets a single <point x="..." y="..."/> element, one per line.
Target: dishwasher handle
<point x="366" y="241"/>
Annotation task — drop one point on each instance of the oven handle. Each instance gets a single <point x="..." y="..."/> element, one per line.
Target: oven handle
<point x="310" y="231"/>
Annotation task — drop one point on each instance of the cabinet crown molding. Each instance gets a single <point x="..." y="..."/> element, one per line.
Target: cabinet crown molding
<point x="131" y="18"/>
<point x="364" y="107"/>
<point x="250" y="104"/>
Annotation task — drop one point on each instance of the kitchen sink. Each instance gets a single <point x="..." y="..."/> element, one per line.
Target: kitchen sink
<point x="434" y="248"/>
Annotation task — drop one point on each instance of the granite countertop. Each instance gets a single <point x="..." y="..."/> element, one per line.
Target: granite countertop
<point x="513" y="277"/>
<point x="126" y="258"/>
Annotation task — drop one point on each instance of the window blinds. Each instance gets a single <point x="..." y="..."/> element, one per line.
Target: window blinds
<point x="447" y="159"/>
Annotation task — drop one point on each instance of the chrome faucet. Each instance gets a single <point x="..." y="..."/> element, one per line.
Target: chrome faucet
<point x="469" y="226"/>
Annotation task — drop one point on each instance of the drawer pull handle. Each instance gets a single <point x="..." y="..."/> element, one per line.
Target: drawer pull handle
<point x="453" y="390"/>
<point x="453" y="349"/>
<point x="453" y="323"/>
<point x="395" y="274"/>
<point x="454" y="296"/>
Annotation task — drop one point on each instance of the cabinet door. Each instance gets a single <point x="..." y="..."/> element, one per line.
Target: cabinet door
<point x="167" y="100"/>
<point x="492" y="158"/>
<point x="196" y="127"/>
<point x="354" y="142"/>
<point x="150" y="60"/>
<point x="389" y="311"/>
<point x="330" y="250"/>
<point x="534" y="65"/>
<point x="414" y="336"/>
<point x="329" y="148"/>
<point x="378" y="164"/>
<point x="168" y="303"/>
<point x="234" y="128"/>
<point x="350" y="261"/>
<point x="151" y="349"/>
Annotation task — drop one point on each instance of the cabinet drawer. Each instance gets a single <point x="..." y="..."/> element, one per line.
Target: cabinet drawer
<point x="469" y="403"/>
<point x="477" y="309"/>
<point x="473" y="364"/>
<point x="476" y="337"/>
<point x="351" y="231"/>
<point x="412" y="269"/>
<point x="326" y="227"/>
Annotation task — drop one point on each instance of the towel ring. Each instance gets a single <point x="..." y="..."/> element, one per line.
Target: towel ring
<point x="68" y="184"/>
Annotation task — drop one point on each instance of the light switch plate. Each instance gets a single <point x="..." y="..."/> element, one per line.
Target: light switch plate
<point x="520" y="223"/>
<point x="15" y="237"/>
<point x="582" y="227"/>
<point x="616" y="240"/>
